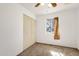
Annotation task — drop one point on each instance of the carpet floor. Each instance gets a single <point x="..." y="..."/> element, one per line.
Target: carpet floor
<point x="39" y="49"/>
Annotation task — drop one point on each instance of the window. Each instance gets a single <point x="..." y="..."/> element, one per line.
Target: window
<point x="52" y="26"/>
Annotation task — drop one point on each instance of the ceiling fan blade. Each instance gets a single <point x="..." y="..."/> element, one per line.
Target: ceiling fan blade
<point x="37" y="4"/>
<point x="54" y="4"/>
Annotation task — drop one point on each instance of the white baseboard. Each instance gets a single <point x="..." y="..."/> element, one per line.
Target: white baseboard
<point x="56" y="44"/>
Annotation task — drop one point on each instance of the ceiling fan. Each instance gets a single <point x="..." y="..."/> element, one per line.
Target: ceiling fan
<point x="52" y="4"/>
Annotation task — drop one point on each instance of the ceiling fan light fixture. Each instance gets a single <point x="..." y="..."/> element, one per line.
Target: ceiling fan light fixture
<point x="49" y="5"/>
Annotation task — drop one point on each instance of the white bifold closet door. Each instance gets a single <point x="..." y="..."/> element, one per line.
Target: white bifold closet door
<point x="29" y="34"/>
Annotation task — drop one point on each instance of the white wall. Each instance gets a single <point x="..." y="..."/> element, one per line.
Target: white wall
<point x="67" y="27"/>
<point x="77" y="29"/>
<point x="11" y="28"/>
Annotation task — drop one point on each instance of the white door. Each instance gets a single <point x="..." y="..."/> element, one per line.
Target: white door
<point x="29" y="35"/>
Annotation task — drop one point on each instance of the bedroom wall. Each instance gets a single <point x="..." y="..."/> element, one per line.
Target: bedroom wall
<point x="77" y="29"/>
<point x="11" y="28"/>
<point x="67" y="28"/>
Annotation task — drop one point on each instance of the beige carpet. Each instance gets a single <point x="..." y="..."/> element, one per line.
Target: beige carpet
<point x="39" y="49"/>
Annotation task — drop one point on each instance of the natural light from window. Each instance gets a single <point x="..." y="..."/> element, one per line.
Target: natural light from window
<point x="54" y="53"/>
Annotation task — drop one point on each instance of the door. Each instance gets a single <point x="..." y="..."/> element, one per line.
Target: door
<point x="29" y="35"/>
